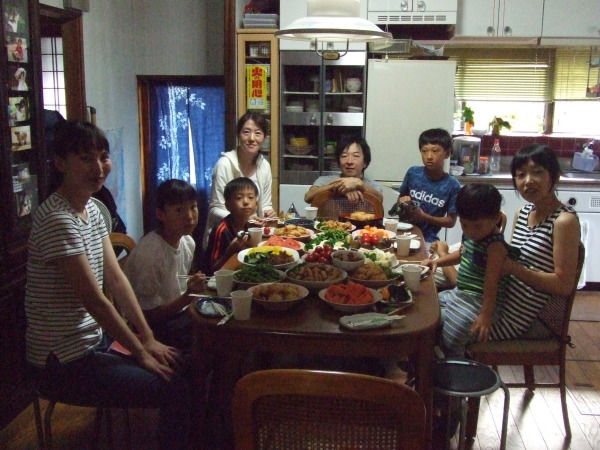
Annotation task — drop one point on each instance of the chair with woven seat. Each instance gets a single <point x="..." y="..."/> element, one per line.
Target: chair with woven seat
<point x="331" y="206"/>
<point x="533" y="352"/>
<point x="300" y="409"/>
<point x="121" y="242"/>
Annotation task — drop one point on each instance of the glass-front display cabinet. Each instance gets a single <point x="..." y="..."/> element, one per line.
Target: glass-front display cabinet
<point x="322" y="101"/>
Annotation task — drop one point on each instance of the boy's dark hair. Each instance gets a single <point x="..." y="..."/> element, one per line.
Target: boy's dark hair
<point x="255" y="117"/>
<point x="238" y="184"/>
<point x="437" y="136"/>
<point x="541" y="155"/>
<point x="478" y="201"/>
<point x="174" y="192"/>
<point x="346" y="142"/>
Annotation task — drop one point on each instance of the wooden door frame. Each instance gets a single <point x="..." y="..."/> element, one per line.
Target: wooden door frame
<point x="68" y="24"/>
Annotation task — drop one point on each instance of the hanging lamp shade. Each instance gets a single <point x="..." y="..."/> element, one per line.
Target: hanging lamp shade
<point x="333" y="21"/>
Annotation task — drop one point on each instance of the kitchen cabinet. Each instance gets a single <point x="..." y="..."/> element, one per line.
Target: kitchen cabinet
<point x="290" y="10"/>
<point x="574" y="19"/>
<point x="317" y="110"/>
<point x="22" y="185"/>
<point x="499" y="18"/>
<point x="258" y="88"/>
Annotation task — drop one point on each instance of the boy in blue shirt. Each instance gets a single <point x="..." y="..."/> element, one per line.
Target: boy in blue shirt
<point x="434" y="190"/>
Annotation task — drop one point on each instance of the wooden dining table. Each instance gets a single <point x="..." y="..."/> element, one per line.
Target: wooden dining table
<point x="312" y="328"/>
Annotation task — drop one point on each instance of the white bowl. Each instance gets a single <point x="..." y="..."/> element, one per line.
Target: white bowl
<point x="353" y="84"/>
<point x="351" y="308"/>
<point x="280" y="305"/>
<point x="347" y="265"/>
<point x="456" y="170"/>
<point x="315" y="286"/>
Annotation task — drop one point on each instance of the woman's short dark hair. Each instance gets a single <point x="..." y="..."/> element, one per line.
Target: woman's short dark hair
<point x="478" y="201"/>
<point x="255" y="117"/>
<point x="78" y="137"/>
<point x="346" y="142"/>
<point x="437" y="136"/>
<point x="541" y="155"/>
<point x="73" y="137"/>
<point x="238" y="184"/>
<point x="174" y="192"/>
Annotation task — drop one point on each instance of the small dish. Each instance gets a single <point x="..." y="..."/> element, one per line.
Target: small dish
<point x="368" y="321"/>
<point x="398" y="269"/>
<point x="415" y="244"/>
<point x="403" y="226"/>
<point x="359" y="233"/>
<point x="205" y="306"/>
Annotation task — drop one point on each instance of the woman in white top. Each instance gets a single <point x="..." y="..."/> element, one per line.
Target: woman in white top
<point x="243" y="161"/>
<point x="69" y="318"/>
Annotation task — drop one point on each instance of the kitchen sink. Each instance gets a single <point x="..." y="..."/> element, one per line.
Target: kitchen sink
<point x="582" y="175"/>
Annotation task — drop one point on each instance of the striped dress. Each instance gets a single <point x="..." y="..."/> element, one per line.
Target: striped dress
<point x="522" y="303"/>
<point x="57" y="321"/>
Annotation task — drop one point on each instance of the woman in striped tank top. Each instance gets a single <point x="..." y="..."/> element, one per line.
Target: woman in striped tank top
<point x="547" y="233"/>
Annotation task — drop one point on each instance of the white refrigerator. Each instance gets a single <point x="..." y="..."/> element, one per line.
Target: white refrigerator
<point x="404" y="98"/>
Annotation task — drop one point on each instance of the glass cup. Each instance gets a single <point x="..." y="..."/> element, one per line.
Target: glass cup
<point x="255" y="235"/>
<point x="224" y="281"/>
<point x="412" y="276"/>
<point x="403" y="244"/>
<point x="311" y="212"/>
<point x="241" y="304"/>
<point x="390" y="224"/>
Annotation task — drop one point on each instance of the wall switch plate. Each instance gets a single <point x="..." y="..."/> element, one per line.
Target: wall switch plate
<point x="80" y="5"/>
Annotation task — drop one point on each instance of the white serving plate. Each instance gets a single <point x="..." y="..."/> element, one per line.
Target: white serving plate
<point x="368" y="321"/>
<point x="294" y="253"/>
<point x="403" y="226"/>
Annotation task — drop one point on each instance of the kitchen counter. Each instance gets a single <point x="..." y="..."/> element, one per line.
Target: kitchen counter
<point x="571" y="180"/>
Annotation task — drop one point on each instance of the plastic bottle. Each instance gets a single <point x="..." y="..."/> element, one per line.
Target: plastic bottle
<point x="495" y="158"/>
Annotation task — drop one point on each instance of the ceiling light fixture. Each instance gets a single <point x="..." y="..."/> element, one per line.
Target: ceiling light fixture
<point x="330" y="21"/>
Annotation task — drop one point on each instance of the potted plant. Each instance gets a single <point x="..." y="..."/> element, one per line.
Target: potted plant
<point x="468" y="118"/>
<point x="497" y="124"/>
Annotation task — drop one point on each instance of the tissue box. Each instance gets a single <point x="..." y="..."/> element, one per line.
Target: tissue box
<point x="586" y="164"/>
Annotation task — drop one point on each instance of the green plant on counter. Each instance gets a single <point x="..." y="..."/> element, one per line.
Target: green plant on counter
<point x="497" y="124"/>
<point x="468" y="116"/>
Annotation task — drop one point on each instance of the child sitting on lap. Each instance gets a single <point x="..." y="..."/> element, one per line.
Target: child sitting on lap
<point x="468" y="309"/>
<point x="240" y="200"/>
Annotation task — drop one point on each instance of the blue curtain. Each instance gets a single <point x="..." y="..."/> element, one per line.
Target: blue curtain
<point x="176" y="113"/>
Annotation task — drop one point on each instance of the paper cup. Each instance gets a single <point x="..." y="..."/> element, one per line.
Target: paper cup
<point x="255" y="236"/>
<point x="241" y="303"/>
<point x="224" y="281"/>
<point x="412" y="276"/>
<point x="390" y="224"/>
<point x="403" y="244"/>
<point x="311" y="212"/>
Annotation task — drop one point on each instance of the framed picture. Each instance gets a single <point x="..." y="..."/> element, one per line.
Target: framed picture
<point x="18" y="110"/>
<point x="17" y="77"/>
<point x="20" y="138"/>
<point x="16" y="49"/>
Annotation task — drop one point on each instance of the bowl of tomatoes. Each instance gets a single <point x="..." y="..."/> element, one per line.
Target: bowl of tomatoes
<point x="320" y="254"/>
<point x="372" y="237"/>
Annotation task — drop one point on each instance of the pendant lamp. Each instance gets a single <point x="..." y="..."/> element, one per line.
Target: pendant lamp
<point x="333" y="21"/>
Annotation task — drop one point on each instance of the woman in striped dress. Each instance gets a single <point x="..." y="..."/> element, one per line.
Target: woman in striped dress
<point x="547" y="233"/>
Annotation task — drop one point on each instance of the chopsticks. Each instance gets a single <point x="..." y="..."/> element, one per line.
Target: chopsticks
<point x="398" y="309"/>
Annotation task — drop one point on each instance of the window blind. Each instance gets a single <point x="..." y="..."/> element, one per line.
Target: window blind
<point x="504" y="74"/>
<point x="571" y="73"/>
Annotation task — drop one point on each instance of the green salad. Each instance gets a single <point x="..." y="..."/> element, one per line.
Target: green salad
<point x="261" y="273"/>
<point x="335" y="238"/>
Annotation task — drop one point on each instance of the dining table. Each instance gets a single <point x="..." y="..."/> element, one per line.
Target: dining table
<point x="310" y="328"/>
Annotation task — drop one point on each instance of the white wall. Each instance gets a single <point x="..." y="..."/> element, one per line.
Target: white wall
<point x="123" y="39"/>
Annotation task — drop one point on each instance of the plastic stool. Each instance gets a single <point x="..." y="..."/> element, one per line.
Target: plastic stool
<point x="463" y="378"/>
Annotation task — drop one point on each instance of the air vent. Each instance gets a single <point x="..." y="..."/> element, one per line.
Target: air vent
<point x="595" y="202"/>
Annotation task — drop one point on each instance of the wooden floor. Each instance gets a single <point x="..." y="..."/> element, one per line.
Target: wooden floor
<point x="535" y="420"/>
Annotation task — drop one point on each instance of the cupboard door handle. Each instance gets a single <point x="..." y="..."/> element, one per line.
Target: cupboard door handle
<point x="403" y="5"/>
<point x="329" y="119"/>
<point x="491" y="31"/>
<point x="507" y="31"/>
<point x="313" y="119"/>
<point x="421" y="6"/>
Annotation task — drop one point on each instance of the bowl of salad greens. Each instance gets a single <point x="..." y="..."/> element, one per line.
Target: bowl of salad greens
<point x="249" y="276"/>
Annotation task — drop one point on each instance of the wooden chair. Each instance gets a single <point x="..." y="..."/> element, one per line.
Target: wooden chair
<point x="299" y="409"/>
<point x="533" y="352"/>
<point x="331" y="206"/>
